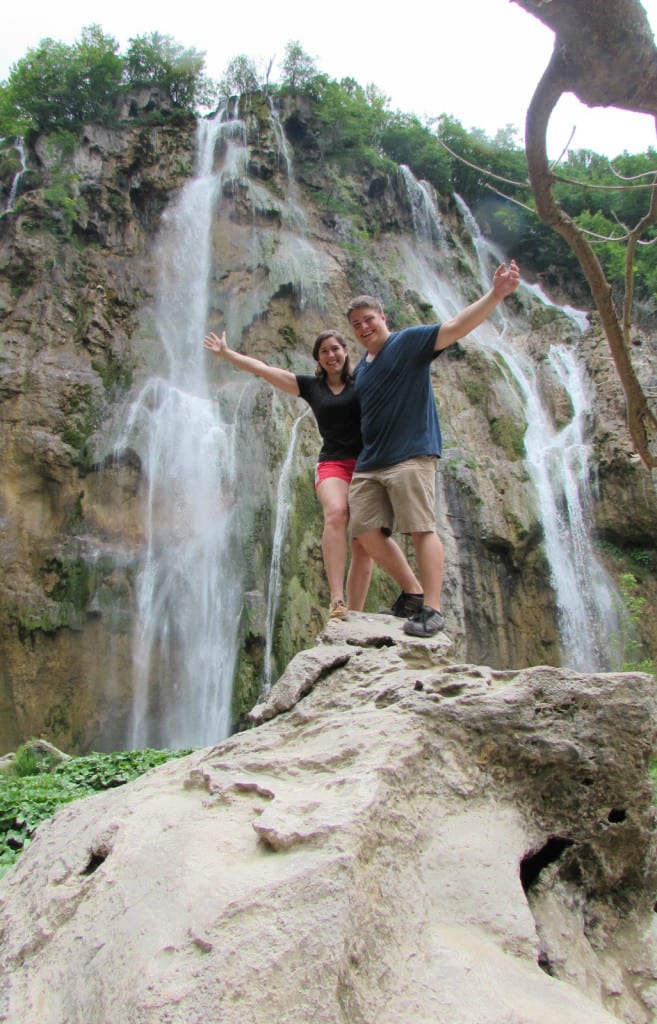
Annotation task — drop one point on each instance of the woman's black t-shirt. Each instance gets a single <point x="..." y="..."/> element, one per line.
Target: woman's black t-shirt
<point x="338" y="418"/>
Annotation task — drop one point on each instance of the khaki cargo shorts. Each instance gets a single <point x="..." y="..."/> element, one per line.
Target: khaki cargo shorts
<point x="400" y="497"/>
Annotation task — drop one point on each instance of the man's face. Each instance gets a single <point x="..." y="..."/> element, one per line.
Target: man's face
<point x="369" y="326"/>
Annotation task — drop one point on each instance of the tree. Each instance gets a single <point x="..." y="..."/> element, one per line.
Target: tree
<point x="158" y="60"/>
<point x="605" y="54"/>
<point x="298" y="67"/>
<point x="57" y="86"/>
<point x="241" y="77"/>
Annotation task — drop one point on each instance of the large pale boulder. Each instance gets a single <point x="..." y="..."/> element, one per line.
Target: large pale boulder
<point x="399" y="839"/>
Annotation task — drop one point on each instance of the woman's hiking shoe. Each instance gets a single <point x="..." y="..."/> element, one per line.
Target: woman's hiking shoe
<point x="427" y="622"/>
<point x="406" y="606"/>
<point x="338" y="610"/>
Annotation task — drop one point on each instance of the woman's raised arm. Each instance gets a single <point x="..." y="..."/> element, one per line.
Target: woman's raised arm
<point x="284" y="380"/>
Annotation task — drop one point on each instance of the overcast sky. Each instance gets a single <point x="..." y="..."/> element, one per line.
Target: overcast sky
<point x="477" y="60"/>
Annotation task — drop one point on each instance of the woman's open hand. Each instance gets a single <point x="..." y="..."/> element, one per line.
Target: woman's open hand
<point x="215" y="344"/>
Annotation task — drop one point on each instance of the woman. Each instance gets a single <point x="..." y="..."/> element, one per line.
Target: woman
<point x="331" y="396"/>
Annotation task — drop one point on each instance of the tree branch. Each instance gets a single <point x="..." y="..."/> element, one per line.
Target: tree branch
<point x="642" y="423"/>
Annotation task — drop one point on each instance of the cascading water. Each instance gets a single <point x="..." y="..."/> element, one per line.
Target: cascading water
<point x="189" y="590"/>
<point x="558" y="461"/>
<point x="283" y="508"/>
<point x="588" y="604"/>
<point x="13" y="191"/>
<point x="426" y="219"/>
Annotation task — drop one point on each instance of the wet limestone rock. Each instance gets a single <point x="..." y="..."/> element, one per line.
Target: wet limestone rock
<point x="399" y="838"/>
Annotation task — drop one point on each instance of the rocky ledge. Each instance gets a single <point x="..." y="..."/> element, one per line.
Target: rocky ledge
<point x="399" y="839"/>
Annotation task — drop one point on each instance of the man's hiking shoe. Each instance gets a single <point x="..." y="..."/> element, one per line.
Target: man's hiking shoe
<point x="338" y="610"/>
<point x="427" y="622"/>
<point x="405" y="606"/>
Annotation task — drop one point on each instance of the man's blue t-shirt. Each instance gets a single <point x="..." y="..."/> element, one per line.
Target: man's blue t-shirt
<point x="398" y="411"/>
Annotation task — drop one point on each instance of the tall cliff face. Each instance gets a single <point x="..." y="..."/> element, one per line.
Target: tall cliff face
<point x="291" y="239"/>
<point x="76" y="282"/>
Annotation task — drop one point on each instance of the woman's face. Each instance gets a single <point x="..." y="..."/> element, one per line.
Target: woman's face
<point x="331" y="355"/>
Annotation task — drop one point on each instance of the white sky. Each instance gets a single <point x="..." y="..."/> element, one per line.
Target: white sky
<point x="477" y="60"/>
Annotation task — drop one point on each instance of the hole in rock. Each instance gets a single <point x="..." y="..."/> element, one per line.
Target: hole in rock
<point x="616" y="815"/>
<point x="545" y="964"/>
<point x="533" y="863"/>
<point x="95" y="860"/>
<point x="372" y="641"/>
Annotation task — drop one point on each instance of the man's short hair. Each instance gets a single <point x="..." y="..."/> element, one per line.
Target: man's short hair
<point x="363" y="302"/>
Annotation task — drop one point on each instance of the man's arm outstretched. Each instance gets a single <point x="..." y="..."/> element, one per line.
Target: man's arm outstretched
<point x="505" y="280"/>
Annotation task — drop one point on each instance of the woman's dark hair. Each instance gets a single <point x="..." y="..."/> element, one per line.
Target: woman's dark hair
<point x="346" y="369"/>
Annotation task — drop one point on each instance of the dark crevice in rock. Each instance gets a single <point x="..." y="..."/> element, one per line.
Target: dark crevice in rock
<point x="374" y="641"/>
<point x="95" y="861"/>
<point x="533" y="863"/>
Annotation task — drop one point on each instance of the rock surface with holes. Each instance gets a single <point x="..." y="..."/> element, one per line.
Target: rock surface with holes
<point x="399" y="839"/>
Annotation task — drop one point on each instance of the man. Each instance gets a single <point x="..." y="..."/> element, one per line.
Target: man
<point x="394" y="482"/>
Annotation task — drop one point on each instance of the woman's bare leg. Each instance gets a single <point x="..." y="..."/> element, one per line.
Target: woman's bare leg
<point x="332" y="494"/>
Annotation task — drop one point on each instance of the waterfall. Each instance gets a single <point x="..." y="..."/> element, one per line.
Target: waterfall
<point x="189" y="589"/>
<point x="560" y="460"/>
<point x="424" y="211"/>
<point x="283" y="508"/>
<point x="557" y="461"/>
<point x="20" y="146"/>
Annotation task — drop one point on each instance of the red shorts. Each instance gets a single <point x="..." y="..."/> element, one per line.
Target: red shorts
<point x="343" y="469"/>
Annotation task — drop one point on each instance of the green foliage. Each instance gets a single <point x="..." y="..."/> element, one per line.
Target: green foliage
<point x="31" y="759"/>
<point x="641" y="557"/>
<point x="81" y="409"/>
<point x="24" y="804"/>
<point x="608" y="211"/>
<point x="241" y="77"/>
<point x="407" y="141"/>
<point x="626" y="642"/>
<point x="160" y="61"/>
<point x="60" y="87"/>
<point x="351" y="121"/>
<point x="509" y="435"/>
<point x="298" y="68"/>
<point x="68" y="581"/>
<point x="97" y="771"/>
<point x="64" y="200"/>
<point x="28" y="799"/>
